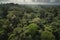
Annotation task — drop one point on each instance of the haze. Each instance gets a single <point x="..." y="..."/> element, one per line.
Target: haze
<point x="31" y="1"/>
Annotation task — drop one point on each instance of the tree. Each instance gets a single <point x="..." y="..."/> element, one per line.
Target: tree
<point x="16" y="35"/>
<point x="32" y="28"/>
<point x="46" y="35"/>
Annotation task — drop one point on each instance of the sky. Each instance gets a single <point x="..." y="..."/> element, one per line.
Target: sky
<point x="31" y="1"/>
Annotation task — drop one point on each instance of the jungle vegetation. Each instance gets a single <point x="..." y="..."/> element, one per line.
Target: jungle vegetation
<point x="29" y="22"/>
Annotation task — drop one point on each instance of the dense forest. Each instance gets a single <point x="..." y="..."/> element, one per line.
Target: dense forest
<point x="29" y="22"/>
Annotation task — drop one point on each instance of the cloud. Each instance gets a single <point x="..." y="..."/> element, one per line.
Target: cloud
<point x="30" y="1"/>
<point x="15" y="1"/>
<point x="3" y="0"/>
<point x="52" y="0"/>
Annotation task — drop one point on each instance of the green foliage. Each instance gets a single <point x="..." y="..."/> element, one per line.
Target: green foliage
<point x="11" y="37"/>
<point x="32" y="28"/>
<point x="29" y="22"/>
<point x="46" y="35"/>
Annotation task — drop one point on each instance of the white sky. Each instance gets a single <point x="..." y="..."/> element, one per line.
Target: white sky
<point x="18" y="1"/>
<point x="30" y="1"/>
<point x="52" y="0"/>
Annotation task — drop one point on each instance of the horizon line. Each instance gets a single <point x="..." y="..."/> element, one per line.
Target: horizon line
<point x="32" y="3"/>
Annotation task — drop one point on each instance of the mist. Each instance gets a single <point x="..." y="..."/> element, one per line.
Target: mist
<point x="54" y="2"/>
